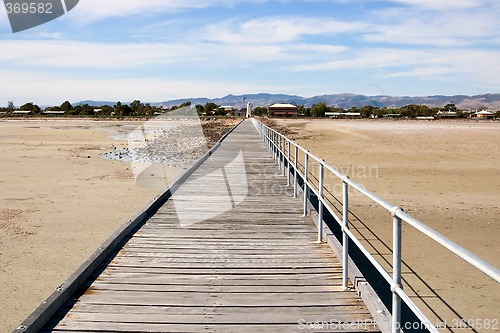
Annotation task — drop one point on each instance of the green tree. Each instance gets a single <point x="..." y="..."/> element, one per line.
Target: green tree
<point x="199" y="109"/>
<point x="367" y="111"/>
<point x="123" y="110"/>
<point x="26" y="107"/>
<point x="136" y="106"/>
<point x="10" y="106"/>
<point x="106" y="110"/>
<point x="66" y="106"/>
<point x="147" y="109"/>
<point x="301" y="109"/>
<point x="319" y="109"/>
<point x="210" y="108"/>
<point x="84" y="109"/>
<point x="449" y="108"/>
<point x="35" y="109"/>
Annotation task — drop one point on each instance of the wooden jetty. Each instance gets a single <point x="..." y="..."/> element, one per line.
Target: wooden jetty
<point x="254" y="268"/>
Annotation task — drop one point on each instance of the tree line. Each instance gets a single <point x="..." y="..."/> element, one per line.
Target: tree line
<point x="368" y="111"/>
<point x="137" y="108"/>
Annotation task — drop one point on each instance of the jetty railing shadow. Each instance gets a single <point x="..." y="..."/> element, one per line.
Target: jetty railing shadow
<point x="289" y="155"/>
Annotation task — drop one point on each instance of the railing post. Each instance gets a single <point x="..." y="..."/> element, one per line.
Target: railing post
<point x="267" y="140"/>
<point x="288" y="164"/>
<point x="345" y="237"/>
<point x="295" y="165"/>
<point x="320" y="202"/>
<point x="306" y="177"/>
<point x="397" y="234"/>
<point x="283" y="156"/>
<point x="275" y="150"/>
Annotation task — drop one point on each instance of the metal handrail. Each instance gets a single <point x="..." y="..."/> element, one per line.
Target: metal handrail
<point x="276" y="143"/>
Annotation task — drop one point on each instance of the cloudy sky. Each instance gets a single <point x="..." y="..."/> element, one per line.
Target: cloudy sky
<point x="156" y="50"/>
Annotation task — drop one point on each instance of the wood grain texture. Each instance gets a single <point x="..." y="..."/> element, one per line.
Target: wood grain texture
<point x="253" y="268"/>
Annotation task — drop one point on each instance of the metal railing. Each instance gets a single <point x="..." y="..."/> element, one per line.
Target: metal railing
<point x="281" y="148"/>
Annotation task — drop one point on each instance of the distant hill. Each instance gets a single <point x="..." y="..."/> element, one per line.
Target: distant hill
<point x="491" y="101"/>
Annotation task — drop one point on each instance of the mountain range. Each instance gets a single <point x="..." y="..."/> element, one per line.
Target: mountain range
<point x="345" y="101"/>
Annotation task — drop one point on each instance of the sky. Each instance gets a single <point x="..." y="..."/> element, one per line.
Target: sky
<point x="158" y="50"/>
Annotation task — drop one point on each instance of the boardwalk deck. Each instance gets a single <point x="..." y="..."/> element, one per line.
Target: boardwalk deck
<point x="254" y="268"/>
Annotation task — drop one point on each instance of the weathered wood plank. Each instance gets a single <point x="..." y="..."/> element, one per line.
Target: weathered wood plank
<point x="222" y="328"/>
<point x="101" y="286"/>
<point x="247" y="318"/>
<point x="255" y="268"/>
<point x="271" y="280"/>
<point x="299" y="311"/>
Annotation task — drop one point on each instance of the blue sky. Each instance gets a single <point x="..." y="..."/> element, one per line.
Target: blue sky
<point x="156" y="50"/>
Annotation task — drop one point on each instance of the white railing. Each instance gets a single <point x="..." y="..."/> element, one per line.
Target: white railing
<point x="281" y="148"/>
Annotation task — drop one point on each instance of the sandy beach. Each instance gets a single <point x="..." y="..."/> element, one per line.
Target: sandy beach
<point x="59" y="201"/>
<point x="447" y="174"/>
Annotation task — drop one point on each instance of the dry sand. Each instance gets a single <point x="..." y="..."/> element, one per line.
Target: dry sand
<point x="447" y="174"/>
<point x="59" y="201"/>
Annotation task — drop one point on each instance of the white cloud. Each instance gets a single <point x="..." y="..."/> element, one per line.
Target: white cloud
<point x="278" y="29"/>
<point x="92" y="10"/>
<point x="442" y="4"/>
<point x="75" y="54"/>
<point x="479" y="66"/>
<point x="448" y="28"/>
<point x="361" y="59"/>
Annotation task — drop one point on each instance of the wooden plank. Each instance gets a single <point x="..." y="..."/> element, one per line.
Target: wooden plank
<point x="304" y="311"/>
<point x="102" y="286"/>
<point x="222" y="281"/>
<point x="243" y="317"/>
<point x="222" y="328"/>
<point x="218" y="299"/>
<point x="256" y="268"/>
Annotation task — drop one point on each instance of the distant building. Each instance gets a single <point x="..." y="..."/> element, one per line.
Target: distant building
<point x="228" y="109"/>
<point x="22" y="112"/>
<point x="53" y="113"/>
<point x="483" y="115"/>
<point x="446" y="114"/>
<point x="348" y="115"/>
<point x="283" y="110"/>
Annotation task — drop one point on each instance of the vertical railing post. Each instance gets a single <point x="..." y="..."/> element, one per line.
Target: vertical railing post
<point x="278" y="143"/>
<point x="320" y="202"/>
<point x="283" y="156"/>
<point x="267" y="140"/>
<point x="295" y="172"/>
<point x="306" y="177"/>
<point x="397" y="234"/>
<point x="275" y="150"/>
<point x="345" y="237"/>
<point x="288" y="164"/>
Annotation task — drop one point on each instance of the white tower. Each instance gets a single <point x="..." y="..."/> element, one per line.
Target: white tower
<point x="249" y="110"/>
